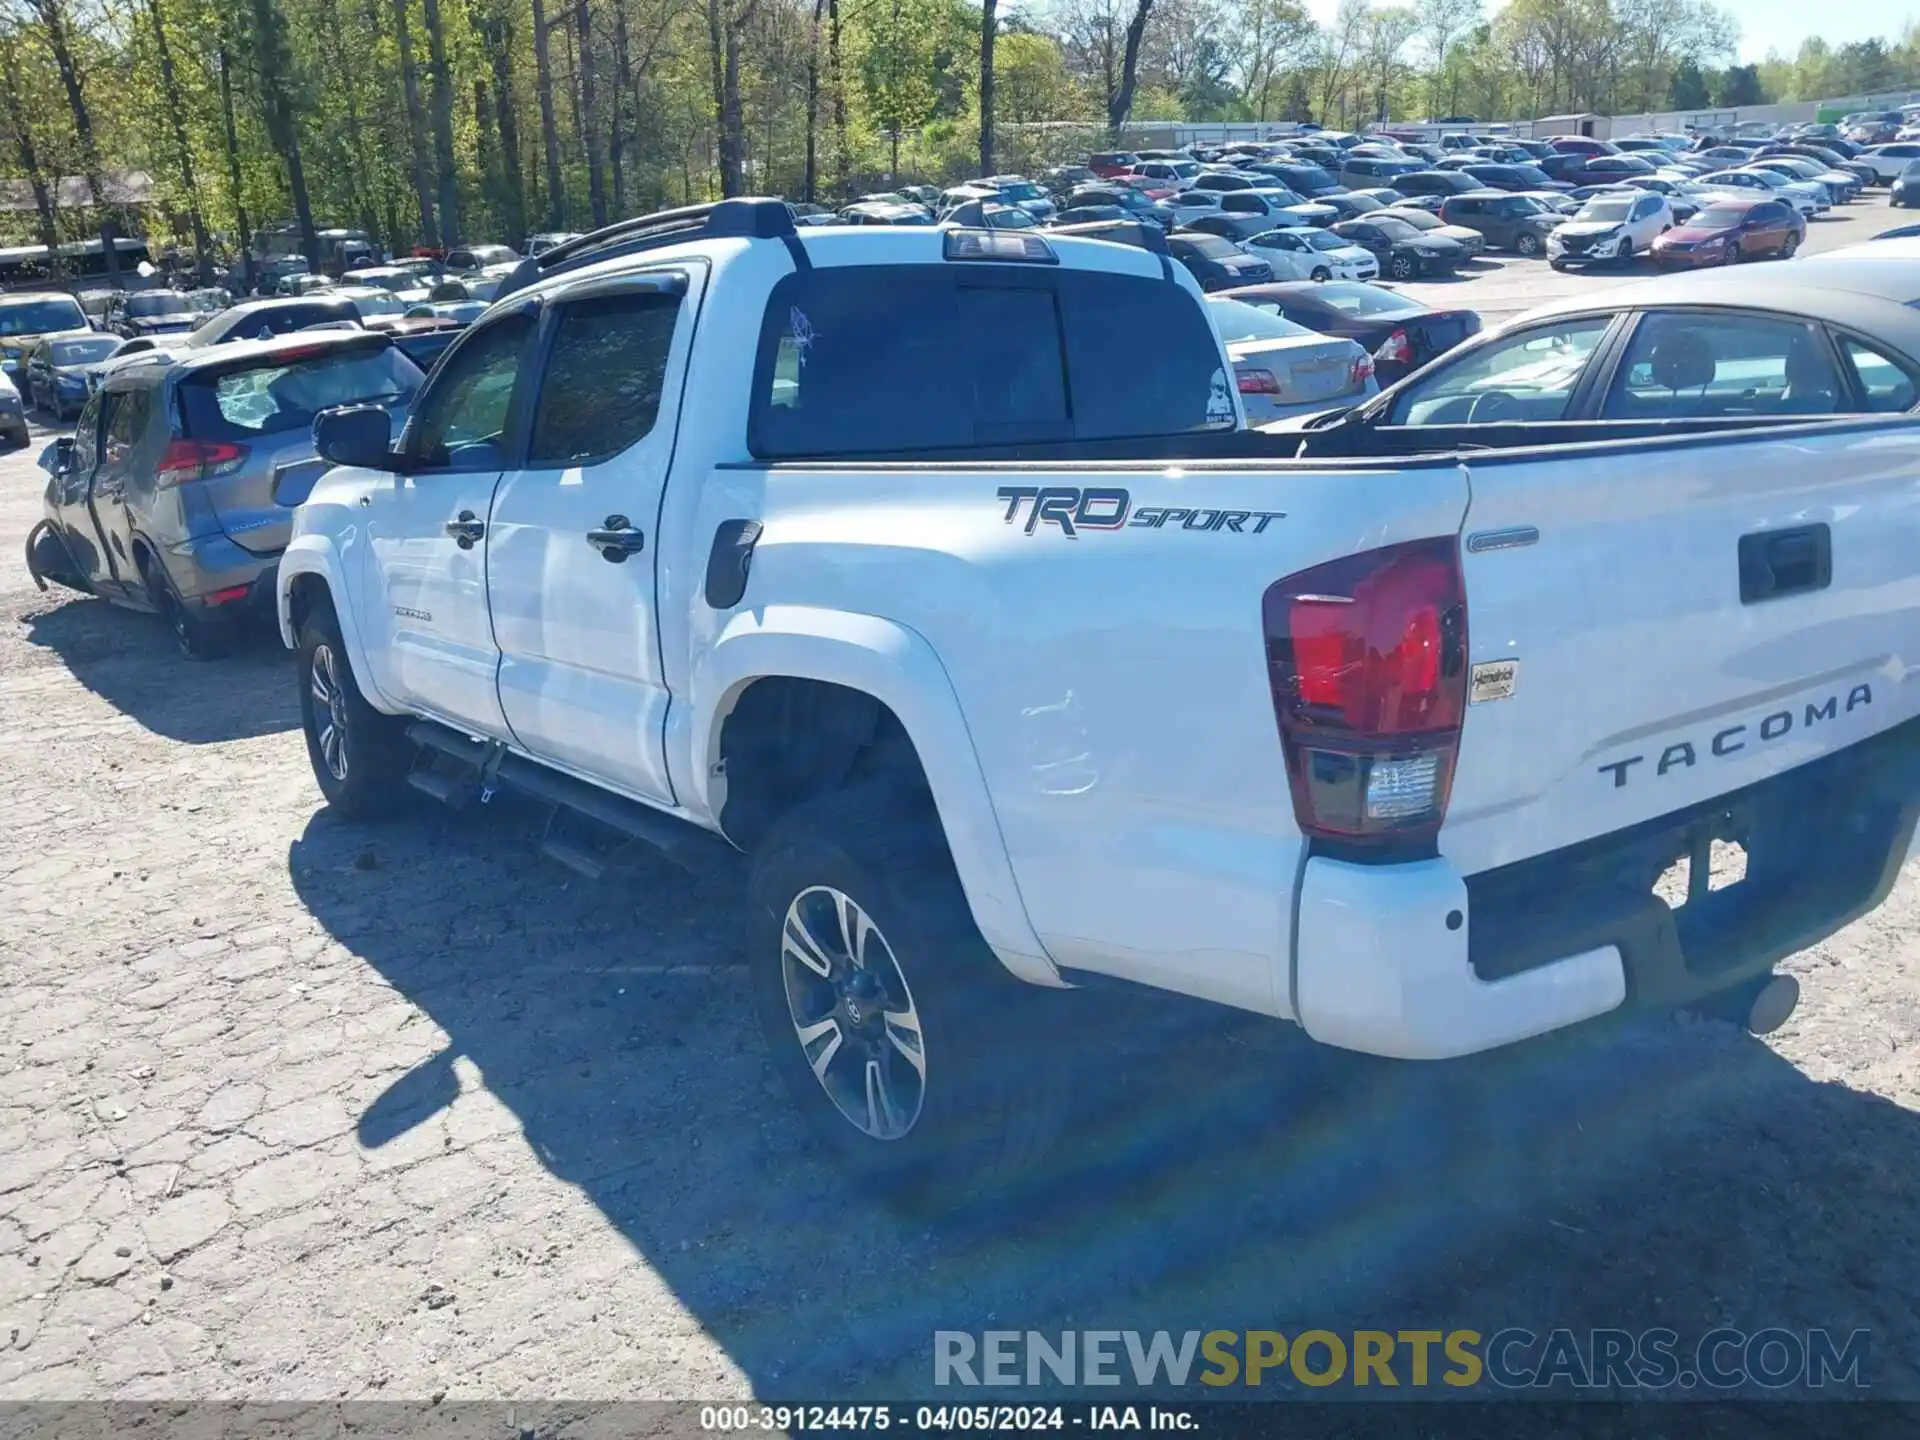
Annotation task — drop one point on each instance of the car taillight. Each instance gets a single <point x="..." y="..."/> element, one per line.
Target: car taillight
<point x="1361" y="372"/>
<point x="1396" y="349"/>
<point x="1366" y="658"/>
<point x="1258" y="382"/>
<point x="186" y="460"/>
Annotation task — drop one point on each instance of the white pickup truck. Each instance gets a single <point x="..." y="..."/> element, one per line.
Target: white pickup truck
<point x="935" y="571"/>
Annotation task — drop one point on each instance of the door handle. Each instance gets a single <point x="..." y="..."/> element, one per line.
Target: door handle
<point x="467" y="529"/>
<point x="1774" y="563"/>
<point x="616" y="539"/>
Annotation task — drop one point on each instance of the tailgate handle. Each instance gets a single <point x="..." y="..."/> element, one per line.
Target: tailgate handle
<point x="1774" y="563"/>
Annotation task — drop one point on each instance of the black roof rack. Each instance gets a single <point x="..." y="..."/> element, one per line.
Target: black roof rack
<point x="740" y="217"/>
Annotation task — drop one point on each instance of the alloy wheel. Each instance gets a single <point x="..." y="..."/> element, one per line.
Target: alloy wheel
<point x="852" y="1013"/>
<point x="330" y="712"/>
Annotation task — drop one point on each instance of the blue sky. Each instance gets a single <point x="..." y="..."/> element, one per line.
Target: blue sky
<point x="1774" y="24"/>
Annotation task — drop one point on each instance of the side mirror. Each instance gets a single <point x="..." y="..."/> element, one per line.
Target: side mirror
<point x="57" y="458"/>
<point x="356" y="435"/>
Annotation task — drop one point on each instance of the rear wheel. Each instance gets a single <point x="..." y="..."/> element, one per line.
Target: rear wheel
<point x="359" y="756"/>
<point x="1788" y="246"/>
<point x="915" y="1057"/>
<point x="1528" y="245"/>
<point x="194" y="636"/>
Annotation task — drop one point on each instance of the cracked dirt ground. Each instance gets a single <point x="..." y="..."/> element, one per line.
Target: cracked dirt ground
<point x="294" y="1110"/>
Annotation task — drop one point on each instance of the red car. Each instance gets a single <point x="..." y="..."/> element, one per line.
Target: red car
<point x="1147" y="185"/>
<point x="1725" y="232"/>
<point x="1110" y="163"/>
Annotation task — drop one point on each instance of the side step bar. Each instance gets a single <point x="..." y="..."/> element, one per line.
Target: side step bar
<point x="683" y="843"/>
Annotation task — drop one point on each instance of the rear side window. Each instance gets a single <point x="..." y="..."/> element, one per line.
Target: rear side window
<point x="1887" y="384"/>
<point x="604" y="376"/>
<point x="1683" y="365"/>
<point x="864" y="360"/>
<point x="275" y="397"/>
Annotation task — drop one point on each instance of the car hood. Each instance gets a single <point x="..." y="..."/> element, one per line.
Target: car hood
<point x="1589" y="227"/>
<point x="1311" y="214"/>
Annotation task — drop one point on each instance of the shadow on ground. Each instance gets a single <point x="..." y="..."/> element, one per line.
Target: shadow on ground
<point x="1223" y="1175"/>
<point x="129" y="660"/>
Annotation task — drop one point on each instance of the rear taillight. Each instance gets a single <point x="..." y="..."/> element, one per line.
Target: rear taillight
<point x="1361" y="372"/>
<point x="1366" y="657"/>
<point x="1257" y="382"/>
<point x="198" y="460"/>
<point x="1396" y="349"/>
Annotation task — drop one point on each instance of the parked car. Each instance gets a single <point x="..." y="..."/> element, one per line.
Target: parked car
<point x="1089" y="215"/>
<point x="1381" y="194"/>
<point x="1404" y="253"/>
<point x="549" y="240"/>
<point x="1220" y="182"/>
<point x="1828" y="156"/>
<point x="13" y="414"/>
<point x="1683" y="197"/>
<point x="471" y="259"/>
<point x="1612" y="228"/>
<point x="885" y="212"/>
<point x="1174" y="174"/>
<point x="1399" y="332"/>
<point x="1307" y="253"/>
<point x="25" y="316"/>
<point x="173" y="493"/>
<point x="1510" y="222"/>
<point x="1215" y="263"/>
<point x="1728" y="231"/>
<point x="1839" y="186"/>
<point x="150" y="312"/>
<point x="1124" y="197"/>
<point x="1280" y="207"/>
<point x="263" y="319"/>
<point x="1302" y="178"/>
<point x="1183" y="207"/>
<point x="1435" y="186"/>
<point x="1362" y="172"/>
<point x="1905" y="189"/>
<point x="1706" y="347"/>
<point x="301" y="282"/>
<point x="1108" y="164"/>
<point x="990" y="215"/>
<point x="1283" y="369"/>
<point x="1809" y="200"/>
<point x="1061" y="180"/>
<point x="1472" y="242"/>
<point x="409" y="282"/>
<point x="424" y="339"/>
<point x="56" y="371"/>
<point x="1350" y="206"/>
<point x="1875" y="127"/>
<point x="1889" y="161"/>
<point x="1513" y="178"/>
<point x="1018" y="191"/>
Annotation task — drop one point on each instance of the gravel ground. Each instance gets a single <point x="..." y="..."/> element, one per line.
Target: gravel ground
<point x="295" y="1110"/>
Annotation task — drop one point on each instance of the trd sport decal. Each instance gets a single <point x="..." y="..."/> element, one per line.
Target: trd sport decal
<point x="1074" y="510"/>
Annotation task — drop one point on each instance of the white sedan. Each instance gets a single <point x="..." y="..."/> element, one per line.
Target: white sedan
<point x="1809" y="199"/>
<point x="1285" y="370"/>
<point x="1305" y="253"/>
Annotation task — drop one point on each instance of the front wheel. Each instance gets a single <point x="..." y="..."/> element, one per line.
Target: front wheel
<point x="359" y="756"/>
<point x="1626" y="252"/>
<point x="1730" y="253"/>
<point x="1403" y="267"/>
<point x="1528" y="245"/>
<point x="914" y="1056"/>
<point x="1321" y="274"/>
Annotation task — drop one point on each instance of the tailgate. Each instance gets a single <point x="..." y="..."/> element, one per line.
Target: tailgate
<point x="1680" y="619"/>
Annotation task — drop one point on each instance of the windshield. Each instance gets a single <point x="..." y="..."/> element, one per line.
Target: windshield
<point x="1767" y="178"/>
<point x="164" y="303"/>
<point x="37" y="317"/>
<point x="1610" y="211"/>
<point x="1416" y="219"/>
<point x="1211" y="246"/>
<point x="385" y="304"/>
<point x="1525" y="205"/>
<point x="1237" y="321"/>
<point x="1393" y="227"/>
<point x="1327" y="240"/>
<point x="1718" y="217"/>
<point x="1533" y="174"/>
<point x="1022" y="191"/>
<point x="84" y="352"/>
<point x="271" y="398"/>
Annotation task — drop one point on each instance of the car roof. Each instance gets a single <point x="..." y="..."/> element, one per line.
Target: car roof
<point x="298" y="340"/>
<point x="1871" y="293"/>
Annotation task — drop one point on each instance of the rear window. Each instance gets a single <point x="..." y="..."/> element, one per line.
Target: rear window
<point x="272" y="320"/>
<point x="868" y="360"/>
<point x="271" y="398"/>
<point x="37" y="317"/>
<point x="166" y="303"/>
<point x="1353" y="299"/>
<point x="85" y="351"/>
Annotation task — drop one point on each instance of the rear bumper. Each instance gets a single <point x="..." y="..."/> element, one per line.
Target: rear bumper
<point x="1417" y="962"/>
<point x="212" y="565"/>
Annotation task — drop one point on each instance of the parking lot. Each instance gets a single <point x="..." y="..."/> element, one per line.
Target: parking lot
<point x="291" y="1109"/>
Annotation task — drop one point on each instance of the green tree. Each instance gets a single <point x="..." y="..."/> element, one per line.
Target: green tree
<point x="1687" y="90"/>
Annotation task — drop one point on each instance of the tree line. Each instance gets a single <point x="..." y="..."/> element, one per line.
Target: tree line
<point x="424" y="122"/>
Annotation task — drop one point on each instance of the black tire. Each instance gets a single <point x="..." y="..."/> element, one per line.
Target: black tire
<point x="1321" y="274"/>
<point x="1528" y="245"/>
<point x="360" y="757"/>
<point x="194" y="636"/>
<point x="1730" y="255"/>
<point x="1788" y="246"/>
<point x="1403" y="267"/>
<point x="1558" y="264"/>
<point x="1626" y="252"/>
<point x="989" y="1095"/>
